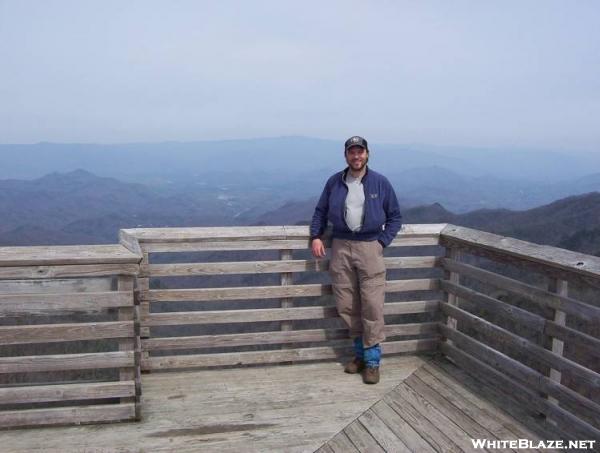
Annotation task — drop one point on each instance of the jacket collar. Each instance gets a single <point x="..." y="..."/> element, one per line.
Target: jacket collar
<point x="345" y="171"/>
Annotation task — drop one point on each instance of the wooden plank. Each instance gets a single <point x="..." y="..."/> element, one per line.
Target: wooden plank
<point x="254" y="232"/>
<point x="407" y="230"/>
<point x="55" y="286"/>
<point x="169" y="246"/>
<point x="523" y="373"/>
<point x="400" y="241"/>
<point x="265" y="267"/>
<point x="275" y="314"/>
<point x="46" y="255"/>
<point x="433" y="414"/>
<point x="520" y="345"/>
<point x="130" y="243"/>
<point x="58" y="362"/>
<point x="545" y="298"/>
<point x="272" y="292"/>
<point x="406" y="433"/>
<point x="276" y="356"/>
<point x="183" y="234"/>
<point x="554" y="257"/>
<point x="66" y="392"/>
<point x="240" y="293"/>
<point x="341" y="443"/>
<point x="67" y="415"/>
<point x="325" y="449"/>
<point x="576" y="427"/>
<point x="495" y="399"/>
<point x="52" y="333"/>
<point x="379" y="431"/>
<point x="80" y="270"/>
<point x="460" y="390"/>
<point x="176" y="247"/>
<point x="497" y="308"/>
<point x="274" y="337"/>
<point x="425" y="427"/>
<point x="582" y="341"/>
<point x="491" y="421"/>
<point x="417" y="284"/>
<point x="361" y="438"/>
<point x="471" y="427"/>
<point x="18" y="304"/>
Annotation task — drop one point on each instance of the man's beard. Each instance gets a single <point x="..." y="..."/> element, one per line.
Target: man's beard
<point x="362" y="166"/>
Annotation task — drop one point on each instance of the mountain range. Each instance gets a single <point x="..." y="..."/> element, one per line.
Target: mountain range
<point x="82" y="208"/>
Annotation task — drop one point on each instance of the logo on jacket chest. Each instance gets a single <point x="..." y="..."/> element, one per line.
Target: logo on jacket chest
<point x="373" y="195"/>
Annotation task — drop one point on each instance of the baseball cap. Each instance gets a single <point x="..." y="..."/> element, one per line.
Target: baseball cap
<point x="356" y="141"/>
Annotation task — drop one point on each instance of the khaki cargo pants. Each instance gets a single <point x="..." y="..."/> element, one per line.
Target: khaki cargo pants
<point x="357" y="273"/>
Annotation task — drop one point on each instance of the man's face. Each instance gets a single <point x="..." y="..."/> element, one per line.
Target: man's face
<point x="357" y="157"/>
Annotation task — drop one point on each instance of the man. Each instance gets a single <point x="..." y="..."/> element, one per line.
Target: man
<point x="363" y="208"/>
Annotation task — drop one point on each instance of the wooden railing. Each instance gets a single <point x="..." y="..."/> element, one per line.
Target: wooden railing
<point x="69" y="335"/>
<point x="292" y="318"/>
<point x="517" y="314"/>
<point x="513" y="319"/>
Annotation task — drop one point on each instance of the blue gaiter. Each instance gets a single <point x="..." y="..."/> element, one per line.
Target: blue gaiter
<point x="358" y="348"/>
<point x="373" y="356"/>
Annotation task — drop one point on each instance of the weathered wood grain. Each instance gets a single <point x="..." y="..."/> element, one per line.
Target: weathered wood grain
<point x="517" y="370"/>
<point x="342" y="444"/>
<point x="52" y="333"/>
<point x="264" y="267"/>
<point x="471" y="427"/>
<point x="56" y="362"/>
<point x="476" y="398"/>
<point x="379" y="431"/>
<point x="272" y="292"/>
<point x="361" y="438"/>
<point x="275" y="314"/>
<point x="568" y="422"/>
<point x="544" y="298"/>
<point x="276" y="356"/>
<point x="66" y="392"/>
<point x="275" y="337"/>
<point x="520" y="345"/>
<point x="406" y="433"/>
<point x="553" y="257"/>
<point x="182" y="234"/>
<point x="66" y="254"/>
<point x="56" y="285"/>
<point x="23" y="304"/>
<point x="75" y="270"/>
<point x="496" y="307"/>
<point x="67" y="415"/>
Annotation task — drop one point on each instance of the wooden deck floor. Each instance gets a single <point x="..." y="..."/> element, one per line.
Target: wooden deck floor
<point x="277" y="408"/>
<point x="439" y="408"/>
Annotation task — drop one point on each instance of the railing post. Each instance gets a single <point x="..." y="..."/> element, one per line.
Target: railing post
<point x="560" y="287"/>
<point x="125" y="283"/>
<point x="143" y="285"/>
<point x="286" y="302"/>
<point x="452" y="253"/>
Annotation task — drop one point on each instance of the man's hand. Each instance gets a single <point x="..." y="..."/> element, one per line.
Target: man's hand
<point x="318" y="248"/>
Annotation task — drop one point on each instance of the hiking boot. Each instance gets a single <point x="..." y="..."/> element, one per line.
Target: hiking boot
<point x="371" y="375"/>
<point x="355" y="366"/>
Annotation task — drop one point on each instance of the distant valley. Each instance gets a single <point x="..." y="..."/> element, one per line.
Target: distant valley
<point x="80" y="207"/>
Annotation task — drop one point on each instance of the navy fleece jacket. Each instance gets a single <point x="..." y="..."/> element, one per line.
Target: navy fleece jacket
<point x="382" y="218"/>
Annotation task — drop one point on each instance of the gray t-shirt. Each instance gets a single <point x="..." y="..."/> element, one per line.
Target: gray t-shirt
<point x="355" y="202"/>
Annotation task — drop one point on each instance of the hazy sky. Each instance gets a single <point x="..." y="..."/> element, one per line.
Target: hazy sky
<point x="479" y="73"/>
